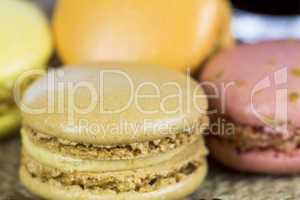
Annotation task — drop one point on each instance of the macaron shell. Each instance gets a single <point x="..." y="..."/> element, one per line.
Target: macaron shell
<point x="242" y="68"/>
<point x="5" y="93"/>
<point x="267" y="161"/>
<point x="146" y="126"/>
<point x="227" y="39"/>
<point x="177" y="34"/>
<point x="25" y="40"/>
<point x="4" y="107"/>
<point x="10" y="121"/>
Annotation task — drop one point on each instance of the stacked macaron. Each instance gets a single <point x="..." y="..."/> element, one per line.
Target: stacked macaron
<point x="96" y="142"/>
<point x="259" y="111"/>
<point x="25" y="44"/>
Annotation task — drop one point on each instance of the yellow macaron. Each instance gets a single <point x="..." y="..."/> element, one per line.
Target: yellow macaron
<point x="25" y="44"/>
<point x="177" y="34"/>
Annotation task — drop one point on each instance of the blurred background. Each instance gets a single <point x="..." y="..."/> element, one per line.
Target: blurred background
<point x="266" y="19"/>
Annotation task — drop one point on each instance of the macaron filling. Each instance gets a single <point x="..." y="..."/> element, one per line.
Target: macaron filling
<point x="125" y="151"/>
<point x="74" y="163"/>
<point x="246" y="138"/>
<point x="147" y="183"/>
<point x="144" y="179"/>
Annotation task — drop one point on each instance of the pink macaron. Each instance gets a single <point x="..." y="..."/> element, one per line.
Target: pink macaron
<point x="254" y="93"/>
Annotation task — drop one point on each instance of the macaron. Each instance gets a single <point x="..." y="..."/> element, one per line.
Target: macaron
<point x="115" y="132"/>
<point x="255" y="106"/>
<point x="226" y="37"/>
<point x="25" y="44"/>
<point x="180" y="35"/>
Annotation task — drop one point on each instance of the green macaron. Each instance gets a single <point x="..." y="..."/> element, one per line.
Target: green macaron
<point x="114" y="133"/>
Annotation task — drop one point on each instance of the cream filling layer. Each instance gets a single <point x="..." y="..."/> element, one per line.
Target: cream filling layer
<point x="71" y="163"/>
<point x="107" y="152"/>
<point x="55" y="190"/>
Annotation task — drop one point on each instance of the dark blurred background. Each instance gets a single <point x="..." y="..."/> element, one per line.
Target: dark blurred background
<point x="272" y="7"/>
<point x="256" y="20"/>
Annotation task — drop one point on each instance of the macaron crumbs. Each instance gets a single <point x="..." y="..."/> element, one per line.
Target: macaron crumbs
<point x="295" y="71"/>
<point x="61" y="161"/>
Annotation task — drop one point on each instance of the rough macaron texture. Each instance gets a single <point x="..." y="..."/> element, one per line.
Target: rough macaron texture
<point x="69" y="162"/>
<point x="261" y="80"/>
